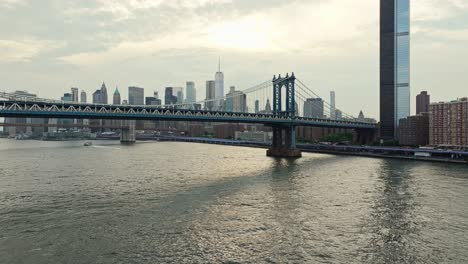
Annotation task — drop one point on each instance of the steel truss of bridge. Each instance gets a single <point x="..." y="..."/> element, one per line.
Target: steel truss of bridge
<point x="38" y="109"/>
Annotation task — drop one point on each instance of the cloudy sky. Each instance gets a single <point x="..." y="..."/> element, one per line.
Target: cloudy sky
<point x="48" y="46"/>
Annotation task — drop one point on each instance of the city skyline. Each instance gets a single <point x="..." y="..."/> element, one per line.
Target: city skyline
<point x="41" y="61"/>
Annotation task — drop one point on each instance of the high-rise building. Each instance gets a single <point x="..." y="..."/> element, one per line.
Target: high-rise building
<point x="422" y="102"/>
<point x="169" y="97"/>
<point x="236" y="101"/>
<point x="97" y="97"/>
<point x="219" y="87"/>
<point x="332" y="105"/>
<point x="116" y="98"/>
<point x="268" y="106"/>
<point x="74" y="92"/>
<point x="180" y="94"/>
<point x="67" y="97"/>
<point x="313" y="107"/>
<point x="191" y="93"/>
<point x="394" y="65"/>
<point x="414" y="130"/>
<point x="448" y="123"/>
<point x="83" y="96"/>
<point x="156" y="94"/>
<point x="136" y="95"/>
<point x="152" y="101"/>
<point x="257" y="106"/>
<point x="210" y="95"/>
<point x="104" y="98"/>
<point x="338" y="114"/>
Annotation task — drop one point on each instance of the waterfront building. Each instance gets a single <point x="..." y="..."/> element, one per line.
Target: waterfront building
<point x="448" y="123"/>
<point x="236" y="101"/>
<point x="219" y="87"/>
<point x="394" y="65"/>
<point x="422" y="102"/>
<point x="254" y="136"/>
<point x="136" y="95"/>
<point x="313" y="107"/>
<point x="210" y="95"/>
<point x="74" y="92"/>
<point x="104" y="97"/>
<point x="414" y="130"/>
<point x="332" y="105"/>
<point x="14" y="130"/>
<point x="83" y="96"/>
<point x="116" y="97"/>
<point x="190" y="92"/>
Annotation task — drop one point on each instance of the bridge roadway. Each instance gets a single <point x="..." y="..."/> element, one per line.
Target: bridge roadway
<point x="40" y="109"/>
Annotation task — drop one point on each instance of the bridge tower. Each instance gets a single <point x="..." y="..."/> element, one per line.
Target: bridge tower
<point x="284" y="135"/>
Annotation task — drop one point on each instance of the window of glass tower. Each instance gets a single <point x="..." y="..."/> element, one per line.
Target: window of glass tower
<point x="402" y="15"/>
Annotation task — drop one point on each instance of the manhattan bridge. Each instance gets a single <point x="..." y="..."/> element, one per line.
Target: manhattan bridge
<point x="288" y="96"/>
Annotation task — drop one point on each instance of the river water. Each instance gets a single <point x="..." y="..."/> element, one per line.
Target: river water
<point x="168" y="202"/>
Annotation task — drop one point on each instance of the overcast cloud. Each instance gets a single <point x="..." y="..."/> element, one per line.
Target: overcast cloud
<point x="49" y="46"/>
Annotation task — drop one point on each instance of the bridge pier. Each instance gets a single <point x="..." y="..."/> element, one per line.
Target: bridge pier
<point x="284" y="143"/>
<point x="127" y="135"/>
<point x="365" y="136"/>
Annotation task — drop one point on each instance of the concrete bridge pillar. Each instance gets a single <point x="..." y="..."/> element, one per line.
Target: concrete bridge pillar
<point x="284" y="143"/>
<point x="127" y="135"/>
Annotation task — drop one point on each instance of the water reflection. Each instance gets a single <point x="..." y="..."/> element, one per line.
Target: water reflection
<point x="392" y="221"/>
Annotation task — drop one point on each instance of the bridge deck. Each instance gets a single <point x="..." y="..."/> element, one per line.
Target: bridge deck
<point x="33" y="109"/>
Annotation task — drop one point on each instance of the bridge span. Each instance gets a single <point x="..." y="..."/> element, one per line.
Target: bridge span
<point x="283" y="121"/>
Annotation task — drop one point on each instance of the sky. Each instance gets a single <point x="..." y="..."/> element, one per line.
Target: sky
<point x="49" y="46"/>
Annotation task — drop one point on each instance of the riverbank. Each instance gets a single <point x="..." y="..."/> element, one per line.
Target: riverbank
<point x="362" y="151"/>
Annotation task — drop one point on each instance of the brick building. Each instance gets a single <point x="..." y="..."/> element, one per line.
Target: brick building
<point x="448" y="123"/>
<point x="414" y="130"/>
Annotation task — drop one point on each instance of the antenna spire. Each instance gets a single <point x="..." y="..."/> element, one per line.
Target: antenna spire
<point x="219" y="64"/>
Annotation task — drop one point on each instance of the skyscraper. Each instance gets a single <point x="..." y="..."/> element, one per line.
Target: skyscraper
<point x="97" y="97"/>
<point x="191" y="93"/>
<point x="104" y="98"/>
<point x="313" y="107"/>
<point x="83" y="96"/>
<point x="422" y="102"/>
<point x="74" y="92"/>
<point x="394" y="65"/>
<point x="116" y="98"/>
<point x="179" y="91"/>
<point x="332" y="105"/>
<point x="236" y="101"/>
<point x="257" y="106"/>
<point x="136" y="96"/>
<point x="210" y="95"/>
<point x="219" y="87"/>
<point x="169" y="97"/>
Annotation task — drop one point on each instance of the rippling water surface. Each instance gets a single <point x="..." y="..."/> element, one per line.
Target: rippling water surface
<point x="61" y="202"/>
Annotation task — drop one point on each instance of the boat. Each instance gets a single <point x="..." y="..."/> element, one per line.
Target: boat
<point x="87" y="144"/>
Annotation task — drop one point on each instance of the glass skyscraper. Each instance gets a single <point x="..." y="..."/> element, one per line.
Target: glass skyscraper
<point x="394" y="65"/>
